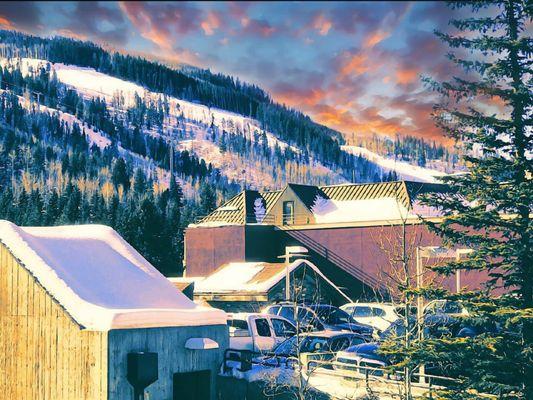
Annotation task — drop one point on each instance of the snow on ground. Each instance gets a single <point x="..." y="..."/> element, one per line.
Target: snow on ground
<point x="234" y="167"/>
<point x="108" y="284"/>
<point x="91" y="83"/>
<point x="93" y="136"/>
<point x="402" y="168"/>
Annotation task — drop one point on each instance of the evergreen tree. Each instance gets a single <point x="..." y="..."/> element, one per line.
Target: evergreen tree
<point x="208" y="198"/>
<point x="489" y="209"/>
<point x="120" y="174"/>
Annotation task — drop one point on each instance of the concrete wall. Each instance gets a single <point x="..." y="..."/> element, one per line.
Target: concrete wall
<point x="173" y="357"/>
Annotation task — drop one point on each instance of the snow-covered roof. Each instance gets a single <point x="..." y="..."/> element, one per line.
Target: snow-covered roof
<point x="251" y="277"/>
<point x="343" y="203"/>
<point x="100" y="280"/>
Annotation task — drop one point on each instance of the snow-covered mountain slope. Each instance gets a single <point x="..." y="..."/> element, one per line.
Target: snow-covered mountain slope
<point x="189" y="126"/>
<point x="403" y="169"/>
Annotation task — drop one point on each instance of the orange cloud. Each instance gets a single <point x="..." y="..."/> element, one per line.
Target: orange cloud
<point x="322" y="24"/>
<point x="143" y="21"/>
<point x="297" y="97"/>
<point x="374" y="38"/>
<point x="355" y="64"/>
<point x="211" y="23"/>
<point x="72" y="34"/>
<point x="5" y="23"/>
<point x="406" y="76"/>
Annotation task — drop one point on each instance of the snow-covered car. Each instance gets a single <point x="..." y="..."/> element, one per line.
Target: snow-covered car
<point x="361" y="359"/>
<point x="445" y="307"/>
<point x="319" y="317"/>
<point x="326" y="342"/>
<point x="377" y="315"/>
<point x="258" y="332"/>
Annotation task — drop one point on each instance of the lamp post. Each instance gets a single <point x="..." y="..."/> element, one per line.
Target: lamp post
<point x="291" y="251"/>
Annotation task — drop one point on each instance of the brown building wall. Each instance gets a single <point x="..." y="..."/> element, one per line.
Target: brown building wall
<point x="207" y="248"/>
<point x="371" y="248"/>
<point x="363" y="248"/>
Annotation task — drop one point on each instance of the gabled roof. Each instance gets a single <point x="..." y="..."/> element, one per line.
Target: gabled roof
<point x="365" y="191"/>
<point x="306" y="193"/>
<point x="100" y="280"/>
<point x="240" y="209"/>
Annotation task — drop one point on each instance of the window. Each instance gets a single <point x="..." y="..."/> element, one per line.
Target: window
<point x="237" y="324"/>
<point x="263" y="328"/>
<point x="282" y="328"/>
<point x="333" y="315"/>
<point x="287" y="312"/>
<point x="362" y="311"/>
<point x="305" y="316"/>
<point x="288" y="212"/>
<point x="378" y="312"/>
<point x="274" y="310"/>
<point x="339" y="344"/>
<point x="355" y="340"/>
<point x="286" y="348"/>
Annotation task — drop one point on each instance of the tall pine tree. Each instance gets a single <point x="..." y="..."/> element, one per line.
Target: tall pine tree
<point x="489" y="208"/>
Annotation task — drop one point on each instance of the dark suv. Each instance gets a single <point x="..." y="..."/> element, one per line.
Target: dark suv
<point x="319" y="317"/>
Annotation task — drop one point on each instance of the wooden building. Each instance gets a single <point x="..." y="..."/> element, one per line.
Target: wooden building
<point x="80" y="310"/>
<point x="350" y="230"/>
<point x="250" y="286"/>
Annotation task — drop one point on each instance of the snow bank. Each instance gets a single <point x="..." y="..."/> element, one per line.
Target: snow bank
<point x="402" y="168"/>
<point x="100" y="280"/>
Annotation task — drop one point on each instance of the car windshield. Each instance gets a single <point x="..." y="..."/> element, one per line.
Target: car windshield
<point x="395" y="330"/>
<point x="333" y="315"/>
<point x="286" y="348"/>
<point x="313" y="344"/>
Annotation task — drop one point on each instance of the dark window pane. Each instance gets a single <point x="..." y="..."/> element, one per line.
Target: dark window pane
<point x="263" y="329"/>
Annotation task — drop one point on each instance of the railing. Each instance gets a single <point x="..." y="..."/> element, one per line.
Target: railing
<point x="318" y="248"/>
<point x="313" y="365"/>
<point x="336" y="259"/>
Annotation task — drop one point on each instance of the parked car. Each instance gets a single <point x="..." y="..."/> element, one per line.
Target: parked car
<point x="377" y="315"/>
<point x="319" y="317"/>
<point x="326" y="342"/>
<point x="366" y="356"/>
<point x="447" y="307"/>
<point x="258" y="332"/>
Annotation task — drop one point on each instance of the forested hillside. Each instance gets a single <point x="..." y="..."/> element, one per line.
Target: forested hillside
<point x="92" y="136"/>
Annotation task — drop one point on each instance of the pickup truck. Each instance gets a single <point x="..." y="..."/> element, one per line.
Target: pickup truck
<point x="258" y="332"/>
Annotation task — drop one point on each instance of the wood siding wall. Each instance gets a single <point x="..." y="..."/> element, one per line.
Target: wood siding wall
<point x="173" y="357"/>
<point x="302" y="215"/>
<point x="43" y="353"/>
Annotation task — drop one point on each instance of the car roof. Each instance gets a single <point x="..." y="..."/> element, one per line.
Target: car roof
<point x="329" y="334"/>
<point x="369" y="304"/>
<point x="244" y="315"/>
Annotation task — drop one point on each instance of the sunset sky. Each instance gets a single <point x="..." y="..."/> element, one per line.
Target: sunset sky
<point x="355" y="67"/>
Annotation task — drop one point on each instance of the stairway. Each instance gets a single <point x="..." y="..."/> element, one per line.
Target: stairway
<point x="335" y="259"/>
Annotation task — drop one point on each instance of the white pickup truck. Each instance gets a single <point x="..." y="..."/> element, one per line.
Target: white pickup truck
<point x="258" y="332"/>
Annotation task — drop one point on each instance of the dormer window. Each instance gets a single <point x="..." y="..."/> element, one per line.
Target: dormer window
<point x="288" y="212"/>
